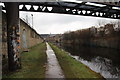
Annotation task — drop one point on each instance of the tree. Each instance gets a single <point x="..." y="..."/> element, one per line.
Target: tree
<point x="101" y="23"/>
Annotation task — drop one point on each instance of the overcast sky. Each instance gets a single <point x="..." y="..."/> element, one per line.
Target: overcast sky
<point x="46" y="23"/>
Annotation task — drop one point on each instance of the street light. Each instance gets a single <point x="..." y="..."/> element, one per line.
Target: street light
<point x="32" y="20"/>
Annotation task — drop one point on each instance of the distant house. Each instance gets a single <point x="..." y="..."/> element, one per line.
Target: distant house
<point x="54" y="38"/>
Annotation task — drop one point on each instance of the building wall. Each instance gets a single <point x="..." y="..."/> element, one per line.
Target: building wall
<point x="32" y="37"/>
<point x="28" y="36"/>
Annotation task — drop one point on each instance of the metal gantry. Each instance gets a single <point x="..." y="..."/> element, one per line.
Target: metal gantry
<point x="73" y="8"/>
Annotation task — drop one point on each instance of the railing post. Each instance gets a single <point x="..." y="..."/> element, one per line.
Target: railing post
<point x="13" y="35"/>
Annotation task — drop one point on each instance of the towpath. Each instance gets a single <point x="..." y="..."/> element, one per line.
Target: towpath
<point x="53" y="69"/>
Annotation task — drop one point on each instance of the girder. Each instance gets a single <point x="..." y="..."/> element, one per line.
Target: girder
<point x="73" y="8"/>
<point x="117" y="4"/>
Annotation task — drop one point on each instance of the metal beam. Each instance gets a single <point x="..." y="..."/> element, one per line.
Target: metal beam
<point x="13" y="35"/>
<point x="60" y="7"/>
<point x="70" y="7"/>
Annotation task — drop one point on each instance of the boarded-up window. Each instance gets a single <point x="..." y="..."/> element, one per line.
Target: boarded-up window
<point x="32" y="34"/>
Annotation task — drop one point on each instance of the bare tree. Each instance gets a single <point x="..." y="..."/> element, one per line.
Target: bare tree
<point x="101" y="23"/>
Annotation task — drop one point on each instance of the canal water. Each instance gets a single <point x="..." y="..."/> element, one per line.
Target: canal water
<point x="101" y="60"/>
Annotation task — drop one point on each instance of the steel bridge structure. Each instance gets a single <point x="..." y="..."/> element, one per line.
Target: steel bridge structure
<point x="95" y="9"/>
<point x="83" y="8"/>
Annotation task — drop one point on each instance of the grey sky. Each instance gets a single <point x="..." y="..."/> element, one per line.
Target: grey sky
<point x="45" y="23"/>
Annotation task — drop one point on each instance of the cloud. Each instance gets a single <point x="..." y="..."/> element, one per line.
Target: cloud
<point x="59" y="23"/>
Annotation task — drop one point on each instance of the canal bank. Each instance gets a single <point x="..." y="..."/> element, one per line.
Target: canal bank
<point x="73" y="68"/>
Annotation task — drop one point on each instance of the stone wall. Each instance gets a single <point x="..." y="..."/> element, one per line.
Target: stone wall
<point x="28" y="36"/>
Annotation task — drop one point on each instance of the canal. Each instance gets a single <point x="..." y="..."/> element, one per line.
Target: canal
<point x="105" y="61"/>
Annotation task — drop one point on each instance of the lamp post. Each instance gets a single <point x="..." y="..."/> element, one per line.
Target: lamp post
<point x="32" y="20"/>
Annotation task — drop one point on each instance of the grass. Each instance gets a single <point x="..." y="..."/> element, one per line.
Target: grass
<point x="72" y="68"/>
<point x="33" y="63"/>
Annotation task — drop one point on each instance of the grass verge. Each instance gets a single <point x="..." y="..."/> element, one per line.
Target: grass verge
<point x="73" y="68"/>
<point x="33" y="63"/>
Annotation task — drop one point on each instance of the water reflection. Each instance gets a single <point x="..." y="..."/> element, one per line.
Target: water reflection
<point x="102" y="60"/>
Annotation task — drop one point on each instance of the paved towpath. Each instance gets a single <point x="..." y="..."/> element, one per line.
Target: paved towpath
<point x="53" y="69"/>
